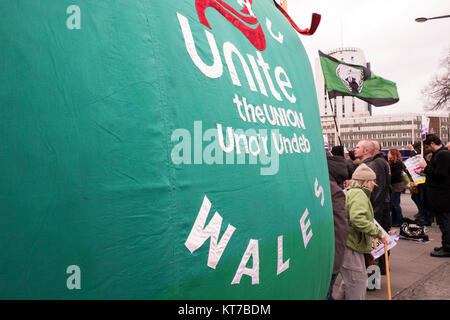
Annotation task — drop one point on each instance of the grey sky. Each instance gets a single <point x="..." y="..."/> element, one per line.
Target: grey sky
<point x="399" y="49"/>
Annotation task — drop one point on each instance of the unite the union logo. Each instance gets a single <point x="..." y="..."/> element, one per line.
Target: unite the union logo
<point x="245" y="20"/>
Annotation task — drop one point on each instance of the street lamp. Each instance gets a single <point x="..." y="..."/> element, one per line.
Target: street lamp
<point x="425" y="19"/>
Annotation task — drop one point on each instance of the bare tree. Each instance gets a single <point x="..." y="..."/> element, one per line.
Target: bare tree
<point x="437" y="91"/>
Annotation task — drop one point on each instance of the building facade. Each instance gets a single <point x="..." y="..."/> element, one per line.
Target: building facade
<point x="392" y="131"/>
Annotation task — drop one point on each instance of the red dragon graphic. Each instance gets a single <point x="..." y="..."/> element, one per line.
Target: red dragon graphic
<point x="240" y="20"/>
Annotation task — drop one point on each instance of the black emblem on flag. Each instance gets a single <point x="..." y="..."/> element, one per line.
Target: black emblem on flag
<point x="352" y="78"/>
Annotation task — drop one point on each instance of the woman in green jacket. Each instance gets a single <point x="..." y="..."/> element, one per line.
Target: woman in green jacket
<point x="362" y="231"/>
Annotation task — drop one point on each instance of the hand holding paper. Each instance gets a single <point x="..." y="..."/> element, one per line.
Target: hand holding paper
<point x="422" y="163"/>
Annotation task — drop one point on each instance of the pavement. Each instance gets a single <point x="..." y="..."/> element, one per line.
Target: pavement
<point x="414" y="274"/>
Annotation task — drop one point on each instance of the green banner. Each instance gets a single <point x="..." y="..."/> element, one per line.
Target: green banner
<point x="343" y="79"/>
<point x="160" y="150"/>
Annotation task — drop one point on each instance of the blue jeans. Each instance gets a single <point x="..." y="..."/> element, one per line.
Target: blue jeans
<point x="330" y="290"/>
<point x="396" y="209"/>
<point x="419" y="203"/>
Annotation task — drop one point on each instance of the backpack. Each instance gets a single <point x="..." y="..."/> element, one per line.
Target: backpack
<point x="411" y="230"/>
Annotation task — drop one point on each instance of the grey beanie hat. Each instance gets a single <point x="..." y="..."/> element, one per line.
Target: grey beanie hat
<point x="364" y="173"/>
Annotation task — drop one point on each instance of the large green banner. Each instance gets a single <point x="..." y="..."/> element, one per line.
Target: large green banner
<point x="159" y="150"/>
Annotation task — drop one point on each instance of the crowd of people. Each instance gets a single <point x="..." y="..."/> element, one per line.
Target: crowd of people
<point x="367" y="184"/>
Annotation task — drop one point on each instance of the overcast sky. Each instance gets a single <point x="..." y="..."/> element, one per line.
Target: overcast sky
<point x="398" y="48"/>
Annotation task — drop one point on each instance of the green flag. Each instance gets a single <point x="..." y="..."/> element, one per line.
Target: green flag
<point x="343" y="79"/>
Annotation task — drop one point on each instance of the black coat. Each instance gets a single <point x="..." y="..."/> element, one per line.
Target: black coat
<point x="338" y="170"/>
<point x="381" y="194"/>
<point x="351" y="167"/>
<point x="437" y="183"/>
<point x="396" y="171"/>
<point x="340" y="225"/>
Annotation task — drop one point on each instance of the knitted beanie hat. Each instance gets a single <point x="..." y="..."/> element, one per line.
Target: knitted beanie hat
<point x="364" y="173"/>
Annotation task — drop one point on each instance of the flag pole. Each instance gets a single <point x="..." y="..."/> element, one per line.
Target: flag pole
<point x="421" y="147"/>
<point x="425" y="126"/>
<point x="421" y="138"/>
<point x="388" y="276"/>
<point x="334" y="117"/>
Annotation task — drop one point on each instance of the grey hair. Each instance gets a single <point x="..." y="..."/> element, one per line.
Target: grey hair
<point x="362" y="183"/>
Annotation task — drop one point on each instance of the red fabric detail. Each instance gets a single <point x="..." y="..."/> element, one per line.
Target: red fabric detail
<point x="306" y="32"/>
<point x="245" y="10"/>
<point x="255" y="36"/>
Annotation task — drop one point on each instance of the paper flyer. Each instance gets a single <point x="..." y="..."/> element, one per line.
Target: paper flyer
<point x="412" y="164"/>
<point x="379" y="250"/>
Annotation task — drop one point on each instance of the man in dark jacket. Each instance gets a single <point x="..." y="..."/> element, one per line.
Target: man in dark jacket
<point x="338" y="151"/>
<point x="340" y="218"/>
<point x="437" y="189"/>
<point x="337" y="169"/>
